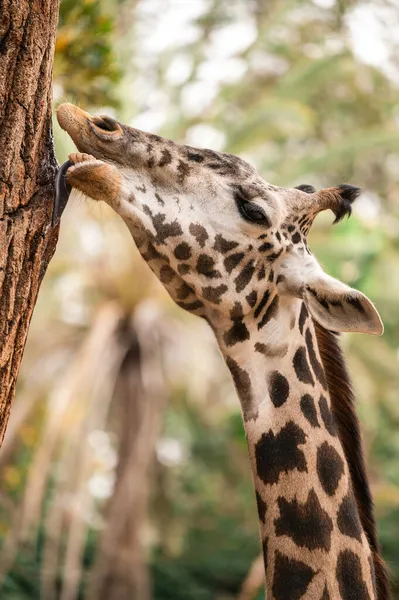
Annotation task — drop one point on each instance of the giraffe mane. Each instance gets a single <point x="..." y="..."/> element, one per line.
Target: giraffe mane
<point x="343" y="404"/>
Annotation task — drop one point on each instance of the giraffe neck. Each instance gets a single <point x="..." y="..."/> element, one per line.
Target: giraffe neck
<point x="313" y="542"/>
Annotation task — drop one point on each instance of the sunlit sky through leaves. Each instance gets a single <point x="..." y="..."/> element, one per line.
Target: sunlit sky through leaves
<point x="162" y="27"/>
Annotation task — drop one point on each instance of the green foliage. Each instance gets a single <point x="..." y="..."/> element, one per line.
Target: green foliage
<point x="212" y="564"/>
<point x="212" y="499"/>
<point x="86" y="63"/>
<point x="23" y="582"/>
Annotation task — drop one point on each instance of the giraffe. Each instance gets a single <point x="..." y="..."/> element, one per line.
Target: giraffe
<point x="232" y="249"/>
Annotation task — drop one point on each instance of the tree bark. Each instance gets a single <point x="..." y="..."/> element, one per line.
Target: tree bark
<point x="27" y="171"/>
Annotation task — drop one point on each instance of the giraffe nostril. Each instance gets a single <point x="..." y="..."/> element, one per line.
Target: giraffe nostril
<point x="105" y="124"/>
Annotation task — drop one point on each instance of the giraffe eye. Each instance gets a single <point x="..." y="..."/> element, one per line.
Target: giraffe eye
<point x="250" y="211"/>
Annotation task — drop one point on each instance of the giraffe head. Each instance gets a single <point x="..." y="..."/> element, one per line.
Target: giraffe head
<point x="224" y="243"/>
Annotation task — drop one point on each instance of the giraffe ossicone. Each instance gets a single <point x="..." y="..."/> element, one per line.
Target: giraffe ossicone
<point x="232" y="248"/>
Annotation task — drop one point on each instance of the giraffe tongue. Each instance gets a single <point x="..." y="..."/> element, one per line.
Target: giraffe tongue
<point x="62" y="192"/>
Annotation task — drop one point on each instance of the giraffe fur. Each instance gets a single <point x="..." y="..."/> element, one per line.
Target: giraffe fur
<point x="232" y="248"/>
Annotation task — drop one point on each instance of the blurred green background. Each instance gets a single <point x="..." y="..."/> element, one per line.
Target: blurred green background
<point x="124" y="468"/>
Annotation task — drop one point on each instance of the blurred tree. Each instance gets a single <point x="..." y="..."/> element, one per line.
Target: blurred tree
<point x="120" y="571"/>
<point x="27" y="171"/>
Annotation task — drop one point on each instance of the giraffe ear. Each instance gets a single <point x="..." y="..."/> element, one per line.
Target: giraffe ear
<point x="338" y="307"/>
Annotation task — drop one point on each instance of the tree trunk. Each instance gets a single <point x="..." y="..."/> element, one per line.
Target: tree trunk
<point x="27" y="171"/>
<point x="120" y="571"/>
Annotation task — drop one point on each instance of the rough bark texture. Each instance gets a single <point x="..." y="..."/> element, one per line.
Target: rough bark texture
<point x="27" y="170"/>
